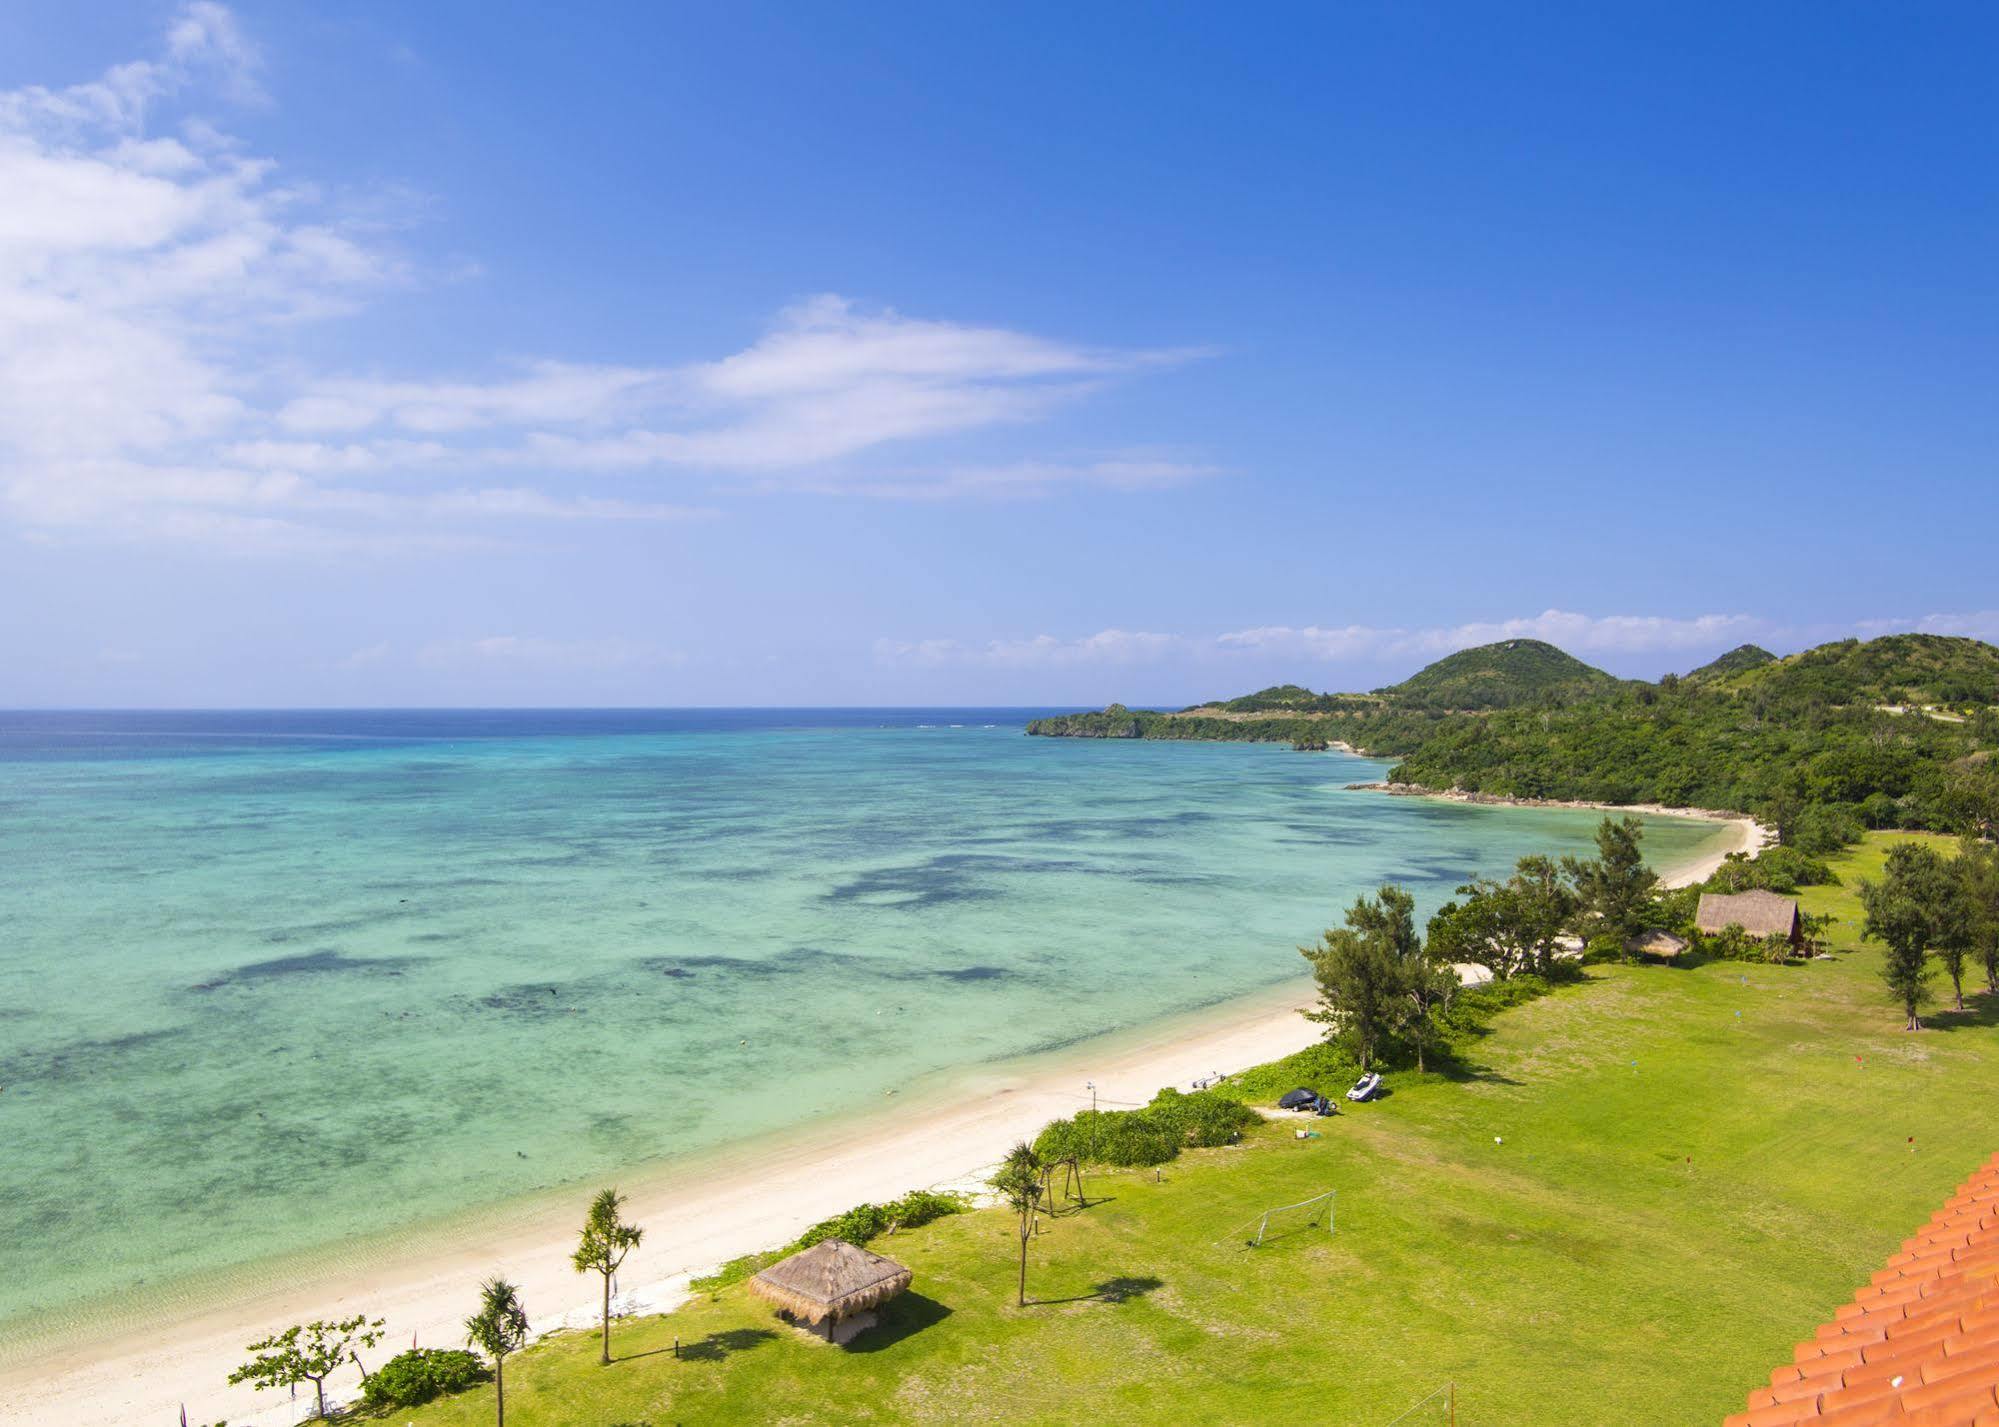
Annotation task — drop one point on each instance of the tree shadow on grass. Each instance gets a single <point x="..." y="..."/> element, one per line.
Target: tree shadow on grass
<point x="1460" y="1072"/>
<point x="1979" y="1010"/>
<point x="901" y="1317"/>
<point x="717" y="1346"/>
<point x="1111" y="1290"/>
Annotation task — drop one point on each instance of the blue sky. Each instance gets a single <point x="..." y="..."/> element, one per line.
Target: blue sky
<point x="734" y="353"/>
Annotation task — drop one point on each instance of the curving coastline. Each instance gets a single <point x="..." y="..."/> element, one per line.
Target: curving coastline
<point x="1750" y="836"/>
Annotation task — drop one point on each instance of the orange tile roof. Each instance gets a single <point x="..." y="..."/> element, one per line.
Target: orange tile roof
<point x="1918" y="1346"/>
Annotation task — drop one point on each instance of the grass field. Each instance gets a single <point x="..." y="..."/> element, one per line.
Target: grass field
<point x="1648" y="1189"/>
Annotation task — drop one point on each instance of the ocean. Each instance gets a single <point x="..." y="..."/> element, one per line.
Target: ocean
<point x="276" y="982"/>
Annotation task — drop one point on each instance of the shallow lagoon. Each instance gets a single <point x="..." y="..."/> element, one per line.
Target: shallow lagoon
<point x="270" y="982"/>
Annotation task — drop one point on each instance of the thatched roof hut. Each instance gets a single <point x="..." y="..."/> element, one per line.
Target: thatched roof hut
<point x="1662" y="944"/>
<point x="830" y="1281"/>
<point x="1757" y="913"/>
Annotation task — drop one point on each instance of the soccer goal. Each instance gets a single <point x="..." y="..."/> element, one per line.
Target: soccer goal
<point x="1303" y="1217"/>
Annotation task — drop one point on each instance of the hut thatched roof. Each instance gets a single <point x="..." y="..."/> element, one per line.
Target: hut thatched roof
<point x="1758" y="913"/>
<point x="1655" y="943"/>
<point x="832" y="1279"/>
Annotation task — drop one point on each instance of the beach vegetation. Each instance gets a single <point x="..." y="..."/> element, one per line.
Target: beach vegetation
<point x="1823" y="745"/>
<point x="602" y="1246"/>
<point x="1378" y="982"/>
<point x="1152" y="1134"/>
<point x="1978" y="866"/>
<point x="1903" y="915"/>
<point x="1511" y="927"/>
<point x="413" y="1378"/>
<point x="498" y="1328"/>
<point x="309" y="1353"/>
<point x="1017" y="1181"/>
<point x="1593" y="1185"/>
<point x="1614" y="889"/>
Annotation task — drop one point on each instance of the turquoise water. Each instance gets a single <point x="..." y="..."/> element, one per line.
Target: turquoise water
<point x="273" y="982"/>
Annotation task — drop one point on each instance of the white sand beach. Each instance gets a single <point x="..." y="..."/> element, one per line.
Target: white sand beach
<point x="696" y="1215"/>
<point x="1746" y="835"/>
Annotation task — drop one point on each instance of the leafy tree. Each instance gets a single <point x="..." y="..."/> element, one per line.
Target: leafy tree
<point x="498" y="1328"/>
<point x="1359" y="968"/>
<point x="1018" y="1181"/>
<point x="1903" y="914"/>
<point x="601" y="1248"/>
<point x="1614" y="889"/>
<point x="1428" y="985"/>
<point x="1978" y="870"/>
<point x="309" y="1352"/>
<point x="1510" y="927"/>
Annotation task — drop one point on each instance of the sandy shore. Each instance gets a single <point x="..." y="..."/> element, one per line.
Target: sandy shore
<point x="697" y="1214"/>
<point x="1746" y="835"/>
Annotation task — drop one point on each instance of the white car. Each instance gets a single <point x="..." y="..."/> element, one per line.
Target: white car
<point x="1364" y="1088"/>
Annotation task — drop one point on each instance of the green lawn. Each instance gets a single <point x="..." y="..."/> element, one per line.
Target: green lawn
<point x="1698" y="1166"/>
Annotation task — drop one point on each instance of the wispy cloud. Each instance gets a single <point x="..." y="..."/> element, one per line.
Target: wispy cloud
<point x="1578" y="633"/>
<point x="146" y="260"/>
<point x="1581" y="634"/>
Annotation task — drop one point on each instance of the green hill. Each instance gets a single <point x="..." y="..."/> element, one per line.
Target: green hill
<point x="1918" y="669"/>
<point x="1503" y="675"/>
<point x="1742" y="657"/>
<point x="1897" y="732"/>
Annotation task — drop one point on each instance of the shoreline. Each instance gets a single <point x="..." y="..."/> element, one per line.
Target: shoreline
<point x="698" y="1212"/>
<point x="1750" y="836"/>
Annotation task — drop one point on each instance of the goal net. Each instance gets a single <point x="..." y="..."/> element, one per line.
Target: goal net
<point x="1307" y="1216"/>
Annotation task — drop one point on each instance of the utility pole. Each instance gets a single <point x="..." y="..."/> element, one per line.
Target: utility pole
<point x="1093" y="1117"/>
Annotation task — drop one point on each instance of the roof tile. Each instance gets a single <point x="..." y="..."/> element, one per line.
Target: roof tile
<point x="1918" y="1345"/>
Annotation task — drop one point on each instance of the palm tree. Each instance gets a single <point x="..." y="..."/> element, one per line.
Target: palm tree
<point x="1019" y="1183"/>
<point x="499" y="1327"/>
<point x="605" y="1241"/>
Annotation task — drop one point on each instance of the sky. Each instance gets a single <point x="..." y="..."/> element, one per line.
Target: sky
<point x="735" y="353"/>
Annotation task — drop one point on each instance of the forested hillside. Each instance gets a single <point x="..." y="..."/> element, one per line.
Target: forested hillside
<point x="1894" y="732"/>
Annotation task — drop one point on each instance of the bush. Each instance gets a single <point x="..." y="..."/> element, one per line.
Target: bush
<point x="858" y="1225"/>
<point x="1732" y="943"/>
<point x="1325" y="1067"/>
<point x="413" y="1378"/>
<point x="867" y="1221"/>
<point x="1153" y="1135"/>
<point x="1824" y="829"/>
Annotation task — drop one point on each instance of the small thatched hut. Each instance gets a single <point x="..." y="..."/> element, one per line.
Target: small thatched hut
<point x="1661" y="944"/>
<point x="1757" y="913"/>
<point x="832" y="1285"/>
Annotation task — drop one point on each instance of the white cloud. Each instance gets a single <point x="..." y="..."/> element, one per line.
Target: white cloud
<point x="1978" y="624"/>
<point x="1110" y="646"/>
<point x="515" y="650"/>
<point x="1577" y="633"/>
<point x="1123" y="472"/>
<point x="146" y="260"/>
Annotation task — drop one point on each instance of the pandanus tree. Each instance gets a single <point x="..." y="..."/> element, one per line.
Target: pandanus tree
<point x="1018" y="1181"/>
<point x="498" y="1328"/>
<point x="602" y="1247"/>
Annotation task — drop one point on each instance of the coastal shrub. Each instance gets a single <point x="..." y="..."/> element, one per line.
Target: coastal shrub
<point x="857" y="1225"/>
<point x="1778" y="869"/>
<point x="867" y="1221"/>
<point x="1732" y="943"/>
<point x="1148" y="1136"/>
<point x="1325" y="1067"/>
<point x="415" y="1377"/>
<point x="1824" y="829"/>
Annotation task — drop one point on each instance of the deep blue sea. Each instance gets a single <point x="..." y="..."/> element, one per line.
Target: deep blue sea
<point x="271" y="982"/>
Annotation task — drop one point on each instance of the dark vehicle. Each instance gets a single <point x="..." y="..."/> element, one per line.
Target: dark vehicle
<point x="1298" y="1099"/>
